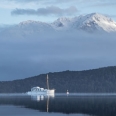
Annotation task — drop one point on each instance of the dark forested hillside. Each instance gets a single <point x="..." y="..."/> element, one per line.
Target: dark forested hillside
<point x="96" y="80"/>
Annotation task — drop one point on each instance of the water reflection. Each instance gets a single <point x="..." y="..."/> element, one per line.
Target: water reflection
<point x="41" y="97"/>
<point x="92" y="106"/>
<point x="37" y="98"/>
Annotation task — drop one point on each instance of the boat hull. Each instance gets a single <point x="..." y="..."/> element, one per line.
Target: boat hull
<point x="48" y="92"/>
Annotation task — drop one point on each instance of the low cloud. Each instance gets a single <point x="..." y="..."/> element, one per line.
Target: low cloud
<point x="25" y="55"/>
<point x="52" y="10"/>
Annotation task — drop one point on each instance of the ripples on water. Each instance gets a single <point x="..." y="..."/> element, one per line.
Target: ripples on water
<point x="58" y="105"/>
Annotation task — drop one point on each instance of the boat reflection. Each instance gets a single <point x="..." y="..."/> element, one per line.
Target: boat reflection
<point x="41" y="97"/>
<point x="37" y="98"/>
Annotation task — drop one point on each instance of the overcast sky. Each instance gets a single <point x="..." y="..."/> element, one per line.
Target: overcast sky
<point x="15" y="11"/>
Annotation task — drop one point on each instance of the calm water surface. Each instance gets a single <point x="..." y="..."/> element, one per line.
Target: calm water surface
<point x="58" y="105"/>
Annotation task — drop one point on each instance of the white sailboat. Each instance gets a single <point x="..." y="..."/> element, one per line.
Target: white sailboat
<point x="41" y="91"/>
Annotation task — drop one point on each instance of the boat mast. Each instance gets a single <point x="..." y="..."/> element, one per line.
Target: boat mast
<point x="48" y="104"/>
<point x="47" y="82"/>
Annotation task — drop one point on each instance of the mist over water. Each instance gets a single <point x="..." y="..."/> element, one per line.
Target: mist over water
<point x="25" y="55"/>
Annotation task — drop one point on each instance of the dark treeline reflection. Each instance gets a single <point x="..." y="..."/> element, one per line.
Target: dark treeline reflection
<point x="94" y="106"/>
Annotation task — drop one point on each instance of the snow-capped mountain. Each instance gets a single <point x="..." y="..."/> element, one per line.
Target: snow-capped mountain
<point x="89" y="23"/>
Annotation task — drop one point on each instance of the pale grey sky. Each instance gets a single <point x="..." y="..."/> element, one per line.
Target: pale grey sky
<point x="16" y="11"/>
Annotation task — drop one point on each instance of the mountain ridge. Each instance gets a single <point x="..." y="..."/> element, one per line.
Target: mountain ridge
<point x="89" y="23"/>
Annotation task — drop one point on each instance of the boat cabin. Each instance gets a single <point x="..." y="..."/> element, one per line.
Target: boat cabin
<point x="38" y="89"/>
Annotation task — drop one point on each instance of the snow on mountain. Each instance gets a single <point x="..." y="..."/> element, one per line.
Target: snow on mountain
<point x="27" y="29"/>
<point x="89" y="23"/>
<point x="62" y="23"/>
<point x="34" y="26"/>
<point x="98" y="22"/>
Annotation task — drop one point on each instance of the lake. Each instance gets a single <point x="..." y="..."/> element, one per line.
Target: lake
<point x="58" y="105"/>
